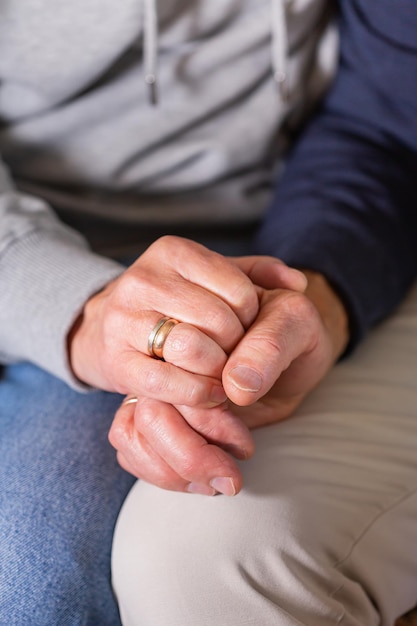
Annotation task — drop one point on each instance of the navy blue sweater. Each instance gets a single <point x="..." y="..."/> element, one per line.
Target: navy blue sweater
<point x="347" y="202"/>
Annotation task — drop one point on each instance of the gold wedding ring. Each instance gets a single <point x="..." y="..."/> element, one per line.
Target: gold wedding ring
<point x="159" y="335"/>
<point x="129" y="400"/>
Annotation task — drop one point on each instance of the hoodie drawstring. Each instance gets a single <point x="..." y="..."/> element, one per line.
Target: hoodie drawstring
<point x="279" y="47"/>
<point x="150" y="48"/>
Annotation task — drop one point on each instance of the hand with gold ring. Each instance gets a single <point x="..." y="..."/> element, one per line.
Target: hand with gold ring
<point x="155" y="443"/>
<point x="158" y="336"/>
<point x="152" y="438"/>
<point x="212" y="298"/>
<point x="214" y="301"/>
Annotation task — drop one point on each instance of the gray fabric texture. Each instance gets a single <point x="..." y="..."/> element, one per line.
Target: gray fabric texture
<point x="79" y="134"/>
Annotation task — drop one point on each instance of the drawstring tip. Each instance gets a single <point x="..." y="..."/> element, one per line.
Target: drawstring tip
<point x="282" y="84"/>
<point x="150" y="80"/>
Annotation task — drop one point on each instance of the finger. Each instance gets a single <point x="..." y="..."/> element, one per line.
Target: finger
<point x="185" y="346"/>
<point x="143" y="290"/>
<point x="139" y="461"/>
<point x="271" y="273"/>
<point x="287" y="328"/>
<point x="159" y="380"/>
<point x="137" y="457"/>
<point x="184" y="450"/>
<point x="220" y="426"/>
<point x="210" y="273"/>
<point x="192" y="350"/>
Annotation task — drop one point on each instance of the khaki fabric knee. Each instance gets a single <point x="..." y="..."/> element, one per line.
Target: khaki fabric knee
<point x="325" y="529"/>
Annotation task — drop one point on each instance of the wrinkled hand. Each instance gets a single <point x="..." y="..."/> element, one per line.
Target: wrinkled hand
<point x="216" y="302"/>
<point x="181" y="448"/>
<point x="290" y="346"/>
<point x="294" y="341"/>
<point x="211" y="296"/>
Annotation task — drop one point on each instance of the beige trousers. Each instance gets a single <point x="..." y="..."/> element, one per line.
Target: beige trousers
<point x="325" y="529"/>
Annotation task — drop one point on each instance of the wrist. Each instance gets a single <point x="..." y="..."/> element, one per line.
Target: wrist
<point x="331" y="309"/>
<point x="71" y="347"/>
<point x="82" y="341"/>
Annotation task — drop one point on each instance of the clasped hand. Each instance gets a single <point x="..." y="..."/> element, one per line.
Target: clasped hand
<point x="250" y="345"/>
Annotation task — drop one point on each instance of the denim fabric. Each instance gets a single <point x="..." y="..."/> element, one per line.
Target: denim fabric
<point x="61" y="490"/>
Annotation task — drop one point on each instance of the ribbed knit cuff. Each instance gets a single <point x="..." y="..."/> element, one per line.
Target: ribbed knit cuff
<point x="46" y="278"/>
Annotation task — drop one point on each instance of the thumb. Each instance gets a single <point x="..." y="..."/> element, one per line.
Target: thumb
<point x="285" y="329"/>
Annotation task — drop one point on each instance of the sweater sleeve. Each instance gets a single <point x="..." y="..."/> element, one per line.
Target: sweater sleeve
<point x="47" y="273"/>
<point x="346" y="204"/>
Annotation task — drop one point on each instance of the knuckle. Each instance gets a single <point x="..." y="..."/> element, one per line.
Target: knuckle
<point x="194" y="395"/>
<point x="165" y="244"/>
<point x="220" y="464"/>
<point x="126" y="284"/>
<point x="300" y="307"/>
<point x="223" y="326"/>
<point x="297" y="317"/>
<point x="245" y="299"/>
<point x="288" y="308"/>
<point x="113" y="322"/>
<point x="191" y="462"/>
<point x="159" y="381"/>
<point x="267" y="346"/>
<point x="216" y="318"/>
<point x="153" y="380"/>
<point x="168" y="241"/>
<point x="197" y="394"/>
<point x="181" y="342"/>
<point x="131" y="285"/>
<point x="293" y="315"/>
<point x="210" y="429"/>
<point x="301" y="315"/>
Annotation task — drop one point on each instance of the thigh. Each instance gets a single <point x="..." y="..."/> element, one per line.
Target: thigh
<point x="61" y="490"/>
<point x="325" y="529"/>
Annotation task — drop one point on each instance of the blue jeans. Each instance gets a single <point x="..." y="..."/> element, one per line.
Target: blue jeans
<point x="61" y="491"/>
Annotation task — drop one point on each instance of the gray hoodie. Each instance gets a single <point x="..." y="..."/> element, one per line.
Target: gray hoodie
<point x="79" y="132"/>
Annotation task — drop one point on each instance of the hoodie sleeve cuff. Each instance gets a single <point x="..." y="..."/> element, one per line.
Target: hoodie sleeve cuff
<point x="46" y="279"/>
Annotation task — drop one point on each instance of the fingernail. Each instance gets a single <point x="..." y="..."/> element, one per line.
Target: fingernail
<point x="296" y="274"/>
<point x="218" y="395"/>
<point x="223" y="485"/>
<point x="236" y="451"/>
<point x="245" y="378"/>
<point x="203" y="490"/>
